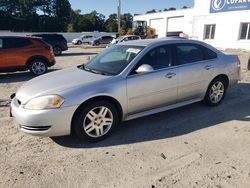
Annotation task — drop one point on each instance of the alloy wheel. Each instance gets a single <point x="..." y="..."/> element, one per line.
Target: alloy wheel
<point x="57" y="51"/>
<point x="38" y="68"/>
<point x="217" y="92"/>
<point x="98" y="122"/>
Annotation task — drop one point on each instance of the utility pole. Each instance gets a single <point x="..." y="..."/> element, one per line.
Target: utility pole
<point x="119" y="16"/>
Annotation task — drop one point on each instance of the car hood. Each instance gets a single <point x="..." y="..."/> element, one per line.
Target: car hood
<point x="57" y="82"/>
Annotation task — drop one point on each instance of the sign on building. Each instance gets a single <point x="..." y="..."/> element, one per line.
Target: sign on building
<point x="229" y="5"/>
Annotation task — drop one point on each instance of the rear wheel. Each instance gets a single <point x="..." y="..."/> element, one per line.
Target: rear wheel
<point x="57" y="50"/>
<point x="38" y="67"/>
<point x="216" y="92"/>
<point x="95" y="121"/>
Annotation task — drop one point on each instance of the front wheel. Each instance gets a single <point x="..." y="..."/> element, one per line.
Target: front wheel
<point x="216" y="92"/>
<point x="38" y="67"/>
<point x="79" y="42"/>
<point x="95" y="121"/>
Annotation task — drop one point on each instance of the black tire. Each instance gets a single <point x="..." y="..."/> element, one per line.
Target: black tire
<point x="87" y="129"/>
<point x="57" y="50"/>
<point x="214" y="95"/>
<point x="79" y="42"/>
<point x="38" y="67"/>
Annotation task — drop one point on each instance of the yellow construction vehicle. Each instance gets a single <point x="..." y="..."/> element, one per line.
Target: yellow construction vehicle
<point x="141" y="29"/>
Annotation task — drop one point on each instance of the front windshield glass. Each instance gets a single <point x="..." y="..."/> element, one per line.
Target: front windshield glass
<point x="113" y="60"/>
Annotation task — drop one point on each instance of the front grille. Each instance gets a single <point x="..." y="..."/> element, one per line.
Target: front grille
<point x="31" y="128"/>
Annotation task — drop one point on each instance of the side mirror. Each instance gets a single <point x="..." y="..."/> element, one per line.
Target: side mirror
<point x="145" y="68"/>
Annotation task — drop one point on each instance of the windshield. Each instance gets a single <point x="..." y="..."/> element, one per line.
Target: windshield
<point x="113" y="60"/>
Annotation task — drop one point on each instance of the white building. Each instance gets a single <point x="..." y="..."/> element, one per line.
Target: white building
<point x="221" y="23"/>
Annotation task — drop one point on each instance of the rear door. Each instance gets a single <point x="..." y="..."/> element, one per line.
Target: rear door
<point x="196" y="70"/>
<point x="87" y="38"/>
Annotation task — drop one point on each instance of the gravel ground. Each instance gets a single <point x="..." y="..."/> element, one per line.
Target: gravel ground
<point x="193" y="146"/>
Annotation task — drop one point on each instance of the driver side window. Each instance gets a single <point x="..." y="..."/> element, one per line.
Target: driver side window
<point x="158" y="58"/>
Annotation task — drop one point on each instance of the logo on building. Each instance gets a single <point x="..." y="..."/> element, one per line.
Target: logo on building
<point x="229" y="5"/>
<point x="218" y="4"/>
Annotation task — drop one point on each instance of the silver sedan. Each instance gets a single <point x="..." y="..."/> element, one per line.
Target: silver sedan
<point x="127" y="81"/>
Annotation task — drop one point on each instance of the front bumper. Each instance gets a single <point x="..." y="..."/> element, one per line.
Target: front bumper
<point x="65" y="47"/>
<point x="49" y="123"/>
<point x="52" y="63"/>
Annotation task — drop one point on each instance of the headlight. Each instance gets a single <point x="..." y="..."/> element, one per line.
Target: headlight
<point x="44" y="102"/>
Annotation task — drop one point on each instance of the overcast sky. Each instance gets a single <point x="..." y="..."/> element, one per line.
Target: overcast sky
<point x="108" y="7"/>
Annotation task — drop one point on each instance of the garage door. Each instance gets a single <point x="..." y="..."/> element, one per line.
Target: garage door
<point x="175" y="24"/>
<point x="157" y="25"/>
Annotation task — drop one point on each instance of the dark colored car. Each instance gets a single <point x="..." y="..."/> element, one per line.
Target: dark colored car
<point x="102" y="40"/>
<point x="58" y="42"/>
<point x="25" y="53"/>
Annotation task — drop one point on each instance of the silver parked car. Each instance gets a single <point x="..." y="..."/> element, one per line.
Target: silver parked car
<point x="126" y="81"/>
<point x="124" y="38"/>
<point x="84" y="39"/>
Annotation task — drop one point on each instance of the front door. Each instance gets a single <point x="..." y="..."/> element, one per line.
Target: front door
<point x="154" y="89"/>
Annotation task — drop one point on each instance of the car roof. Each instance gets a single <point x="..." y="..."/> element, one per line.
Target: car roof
<point x="130" y="36"/>
<point x="167" y="40"/>
<point x="147" y="42"/>
<point x="20" y="37"/>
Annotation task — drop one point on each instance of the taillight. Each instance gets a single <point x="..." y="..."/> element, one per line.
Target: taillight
<point x="51" y="50"/>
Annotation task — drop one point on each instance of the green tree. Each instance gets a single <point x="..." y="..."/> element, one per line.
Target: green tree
<point x="172" y="8"/>
<point x="62" y="10"/>
<point x="151" y="11"/>
<point x="169" y="9"/>
<point x="126" y="21"/>
<point x="111" y="23"/>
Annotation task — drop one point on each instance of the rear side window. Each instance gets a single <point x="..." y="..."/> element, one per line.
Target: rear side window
<point x="135" y="38"/>
<point x="87" y="37"/>
<point x="15" y="42"/>
<point x="60" y="37"/>
<point x="48" y="38"/>
<point x="189" y="53"/>
<point x="106" y="38"/>
<point x="209" y="54"/>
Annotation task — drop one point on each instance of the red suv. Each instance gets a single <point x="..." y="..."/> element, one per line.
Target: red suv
<point x="25" y="53"/>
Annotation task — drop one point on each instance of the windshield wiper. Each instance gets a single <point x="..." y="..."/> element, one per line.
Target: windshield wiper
<point x="94" y="71"/>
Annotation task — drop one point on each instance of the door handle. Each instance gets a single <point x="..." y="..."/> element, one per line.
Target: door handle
<point x="170" y="75"/>
<point x="208" y="67"/>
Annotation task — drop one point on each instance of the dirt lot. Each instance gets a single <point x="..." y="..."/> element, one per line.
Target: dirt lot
<point x="193" y="146"/>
